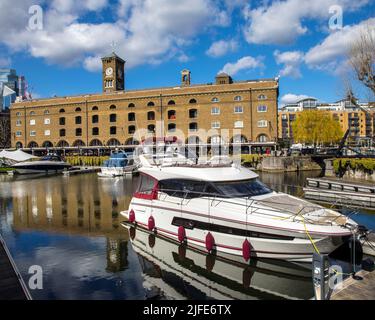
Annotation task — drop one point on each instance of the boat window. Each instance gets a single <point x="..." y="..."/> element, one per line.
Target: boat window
<point x="183" y="188"/>
<point x="247" y="188"/>
<point x="146" y="185"/>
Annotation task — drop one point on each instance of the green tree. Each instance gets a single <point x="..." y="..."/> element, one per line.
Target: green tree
<point x="316" y="127"/>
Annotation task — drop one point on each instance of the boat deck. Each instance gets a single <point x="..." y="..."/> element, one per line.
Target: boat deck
<point x="12" y="286"/>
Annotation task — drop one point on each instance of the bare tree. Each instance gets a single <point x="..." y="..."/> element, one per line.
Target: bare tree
<point x="362" y="57"/>
<point x="4" y="130"/>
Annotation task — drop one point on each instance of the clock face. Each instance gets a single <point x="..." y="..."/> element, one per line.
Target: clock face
<point x="109" y="71"/>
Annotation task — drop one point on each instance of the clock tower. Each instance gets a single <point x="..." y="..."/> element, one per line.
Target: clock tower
<point x="113" y="77"/>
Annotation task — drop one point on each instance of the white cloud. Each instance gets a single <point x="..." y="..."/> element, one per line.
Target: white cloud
<point x="291" y="98"/>
<point x="291" y="61"/>
<point x="244" y="63"/>
<point x="5" y="62"/>
<point x="331" y="54"/>
<point x="222" y="47"/>
<point x="282" y="22"/>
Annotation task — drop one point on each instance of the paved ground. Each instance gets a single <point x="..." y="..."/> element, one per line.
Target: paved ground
<point x="357" y="289"/>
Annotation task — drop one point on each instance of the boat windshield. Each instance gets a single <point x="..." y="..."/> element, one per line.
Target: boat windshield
<point x="182" y="188"/>
<point x="50" y="157"/>
<point x="247" y="188"/>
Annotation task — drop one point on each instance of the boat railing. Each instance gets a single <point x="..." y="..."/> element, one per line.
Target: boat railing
<point x="259" y="206"/>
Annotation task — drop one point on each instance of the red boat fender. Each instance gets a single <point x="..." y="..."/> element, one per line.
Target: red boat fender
<point x="131" y="216"/>
<point x="246" y="250"/>
<point x="210" y="242"/>
<point x="181" y="234"/>
<point x="151" y="223"/>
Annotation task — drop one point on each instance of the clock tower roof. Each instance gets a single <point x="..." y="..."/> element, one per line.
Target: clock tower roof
<point x="113" y="55"/>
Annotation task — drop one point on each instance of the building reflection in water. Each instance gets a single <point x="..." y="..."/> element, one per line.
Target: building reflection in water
<point x="77" y="205"/>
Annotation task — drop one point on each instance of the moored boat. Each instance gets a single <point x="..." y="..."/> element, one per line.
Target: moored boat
<point x="120" y="163"/>
<point x="50" y="163"/>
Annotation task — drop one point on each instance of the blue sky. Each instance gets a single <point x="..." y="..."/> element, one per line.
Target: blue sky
<point x="159" y="38"/>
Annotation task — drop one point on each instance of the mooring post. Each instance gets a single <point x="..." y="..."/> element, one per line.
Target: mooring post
<point x="320" y="274"/>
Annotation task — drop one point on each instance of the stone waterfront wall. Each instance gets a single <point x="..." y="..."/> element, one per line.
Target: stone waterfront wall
<point x="288" y="164"/>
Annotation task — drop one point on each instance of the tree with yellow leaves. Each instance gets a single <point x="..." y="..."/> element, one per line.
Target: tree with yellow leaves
<point x="316" y="127"/>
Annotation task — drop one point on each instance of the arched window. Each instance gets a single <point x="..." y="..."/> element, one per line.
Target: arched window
<point x="95" y="131"/>
<point x="131" y="116"/>
<point x="112" y="117"/>
<point x="61" y="110"/>
<point x="112" y="107"/>
<point x="78" y="109"/>
<point x="18" y="145"/>
<point x="62" y="144"/>
<point x="193" y="140"/>
<point x="95" y="118"/>
<point x="193" y="113"/>
<point x="131" y="129"/>
<point x="46" y="111"/>
<point x="131" y="105"/>
<point x="215" y="99"/>
<point x="215" y="140"/>
<point x="239" y="138"/>
<point x="171" y="127"/>
<point x="112" y="130"/>
<point x="113" y="142"/>
<point x="95" y="108"/>
<point x="150" y="104"/>
<point x="171" y="114"/>
<point x="192" y="101"/>
<point x="262" y="138"/>
<point x="95" y="143"/>
<point x="32" y="144"/>
<point x="78" y="143"/>
<point x="47" y="144"/>
<point x="18" y="114"/>
<point x="237" y="98"/>
<point x="151" y="128"/>
<point x="151" y="115"/>
<point x="131" y="142"/>
<point x="262" y="97"/>
<point x="32" y="113"/>
<point x="171" y="102"/>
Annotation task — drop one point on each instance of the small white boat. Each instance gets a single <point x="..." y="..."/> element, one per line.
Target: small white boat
<point x="119" y="164"/>
<point x="225" y="209"/>
<point x="51" y="163"/>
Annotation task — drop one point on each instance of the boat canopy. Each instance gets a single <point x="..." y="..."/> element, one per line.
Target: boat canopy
<point x="17" y="155"/>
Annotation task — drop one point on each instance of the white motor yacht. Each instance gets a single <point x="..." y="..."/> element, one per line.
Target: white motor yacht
<point x="224" y="209"/>
<point x="119" y="164"/>
<point x="50" y="163"/>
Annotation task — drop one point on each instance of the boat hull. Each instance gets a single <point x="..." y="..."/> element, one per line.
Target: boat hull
<point x="40" y="168"/>
<point x="116" y="171"/>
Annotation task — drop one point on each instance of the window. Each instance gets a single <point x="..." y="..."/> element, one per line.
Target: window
<point x="238" y="109"/>
<point x="151" y="115"/>
<point x="262" y="108"/>
<point x="95" y="118"/>
<point x="78" y="120"/>
<point x="95" y="108"/>
<point x="192" y="101"/>
<point x="62" y="133"/>
<point x="262" y="97"/>
<point x="215" y="110"/>
<point x="215" y="125"/>
<point x="151" y="128"/>
<point x="171" y="115"/>
<point x="193" y="113"/>
<point x="112" y="107"/>
<point x="215" y="99"/>
<point x="246" y="188"/>
<point x="61" y="110"/>
<point x="150" y="104"/>
<point x="112" y="117"/>
<point x="284" y="116"/>
<point x="238" y="124"/>
<point x="18" y="134"/>
<point x="262" y="124"/>
<point x="262" y="138"/>
<point x="171" y="102"/>
<point x="131" y="116"/>
<point x="112" y="130"/>
<point x="32" y="113"/>
<point x="237" y="98"/>
<point x="108" y="83"/>
<point x="47" y="121"/>
<point x="46" y="112"/>
<point x="193" y="126"/>
<point x="146" y="188"/>
<point x="47" y="132"/>
<point x="131" y="129"/>
<point x="78" y="109"/>
<point x="78" y="132"/>
<point x="32" y="133"/>
<point x="183" y="188"/>
<point x="18" y="123"/>
<point x="95" y="131"/>
<point x="171" y="127"/>
<point x="18" y="114"/>
<point x="32" y="122"/>
<point x="131" y="105"/>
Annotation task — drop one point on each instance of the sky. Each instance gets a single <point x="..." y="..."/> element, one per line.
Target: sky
<point x="57" y="44"/>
